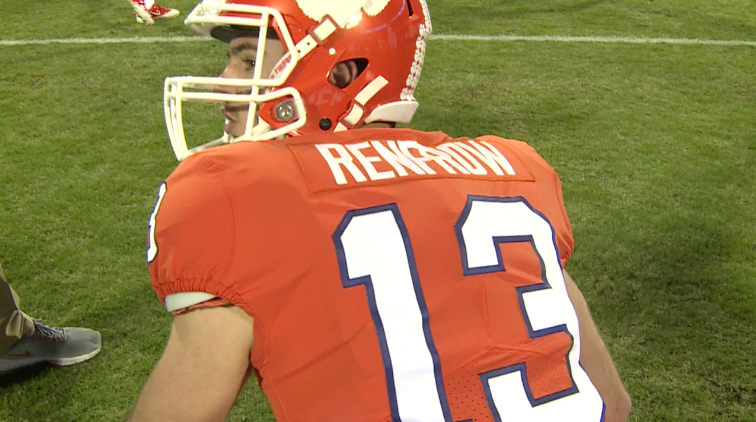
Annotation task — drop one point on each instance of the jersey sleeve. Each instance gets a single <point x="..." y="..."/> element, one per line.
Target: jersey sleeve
<point x="193" y="235"/>
<point x="549" y="193"/>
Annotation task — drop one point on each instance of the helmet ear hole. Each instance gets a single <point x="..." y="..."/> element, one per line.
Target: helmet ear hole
<point x="344" y="73"/>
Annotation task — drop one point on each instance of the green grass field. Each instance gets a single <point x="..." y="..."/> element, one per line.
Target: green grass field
<point x="655" y="143"/>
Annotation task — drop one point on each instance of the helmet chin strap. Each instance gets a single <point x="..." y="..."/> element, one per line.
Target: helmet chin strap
<point x="260" y="129"/>
<point x="223" y="140"/>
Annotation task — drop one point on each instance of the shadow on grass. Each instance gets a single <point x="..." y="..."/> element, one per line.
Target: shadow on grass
<point x="677" y="302"/>
<point x="18" y="376"/>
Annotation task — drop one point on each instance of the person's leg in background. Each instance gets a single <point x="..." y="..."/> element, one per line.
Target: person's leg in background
<point x="14" y="324"/>
<point x="25" y="342"/>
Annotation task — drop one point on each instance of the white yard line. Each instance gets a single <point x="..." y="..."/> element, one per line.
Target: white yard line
<point x="134" y="40"/>
<point x="501" y="38"/>
<point x="610" y="40"/>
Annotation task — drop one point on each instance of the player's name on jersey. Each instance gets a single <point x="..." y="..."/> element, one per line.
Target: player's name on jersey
<point x="386" y="159"/>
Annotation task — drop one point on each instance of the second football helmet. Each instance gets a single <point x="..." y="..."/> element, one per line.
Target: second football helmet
<point x="385" y="38"/>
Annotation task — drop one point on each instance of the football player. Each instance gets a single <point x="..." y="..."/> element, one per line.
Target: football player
<point x="360" y="271"/>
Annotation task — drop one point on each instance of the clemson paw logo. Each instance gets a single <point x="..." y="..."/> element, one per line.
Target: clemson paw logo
<point x="340" y="9"/>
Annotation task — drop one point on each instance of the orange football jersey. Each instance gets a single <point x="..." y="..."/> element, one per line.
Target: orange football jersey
<point x="392" y="274"/>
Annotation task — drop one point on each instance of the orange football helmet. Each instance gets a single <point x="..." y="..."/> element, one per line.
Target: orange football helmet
<point x="385" y="37"/>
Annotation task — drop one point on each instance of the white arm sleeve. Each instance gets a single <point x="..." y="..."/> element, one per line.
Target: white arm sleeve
<point x="183" y="300"/>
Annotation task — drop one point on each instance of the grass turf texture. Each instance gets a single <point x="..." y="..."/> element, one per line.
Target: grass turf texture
<point x="655" y="144"/>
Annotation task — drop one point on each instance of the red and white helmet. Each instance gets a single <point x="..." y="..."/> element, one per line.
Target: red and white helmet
<point x="386" y="37"/>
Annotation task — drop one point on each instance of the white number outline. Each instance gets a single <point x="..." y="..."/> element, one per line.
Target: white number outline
<point x="152" y="248"/>
<point x="405" y="402"/>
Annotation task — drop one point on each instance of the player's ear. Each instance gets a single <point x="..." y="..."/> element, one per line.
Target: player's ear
<point x="346" y="72"/>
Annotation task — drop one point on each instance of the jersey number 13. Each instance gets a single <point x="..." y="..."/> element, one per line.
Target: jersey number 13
<point x="374" y="251"/>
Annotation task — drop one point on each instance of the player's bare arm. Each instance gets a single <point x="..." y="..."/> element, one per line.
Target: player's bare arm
<point x="203" y="368"/>
<point x="595" y="359"/>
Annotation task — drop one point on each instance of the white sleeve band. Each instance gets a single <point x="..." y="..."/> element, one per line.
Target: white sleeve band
<point x="183" y="300"/>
